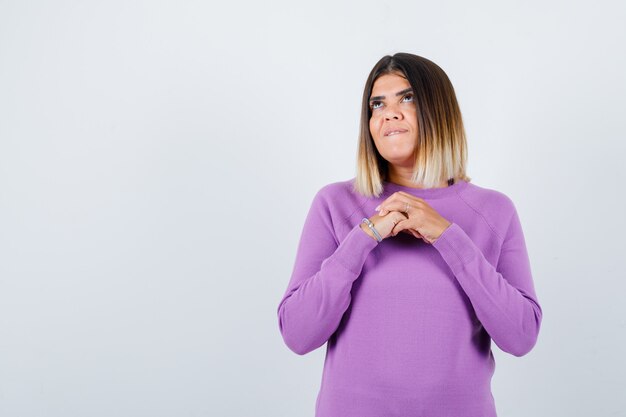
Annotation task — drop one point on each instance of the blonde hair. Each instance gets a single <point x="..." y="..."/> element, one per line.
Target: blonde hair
<point x="441" y="142"/>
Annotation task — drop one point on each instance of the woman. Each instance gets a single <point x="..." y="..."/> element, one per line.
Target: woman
<point x="409" y="270"/>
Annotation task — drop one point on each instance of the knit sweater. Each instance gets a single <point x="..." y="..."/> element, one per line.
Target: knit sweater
<point x="409" y="324"/>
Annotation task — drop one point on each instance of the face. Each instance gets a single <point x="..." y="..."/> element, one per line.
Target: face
<point x="393" y="123"/>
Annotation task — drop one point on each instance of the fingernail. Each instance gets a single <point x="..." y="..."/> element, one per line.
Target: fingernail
<point x="377" y="207"/>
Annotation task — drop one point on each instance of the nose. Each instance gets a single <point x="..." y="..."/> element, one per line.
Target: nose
<point x="392" y="113"/>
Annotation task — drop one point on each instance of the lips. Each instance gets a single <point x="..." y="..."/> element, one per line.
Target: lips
<point x="394" y="131"/>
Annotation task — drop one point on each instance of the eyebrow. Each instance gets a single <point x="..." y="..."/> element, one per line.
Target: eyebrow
<point x="399" y="93"/>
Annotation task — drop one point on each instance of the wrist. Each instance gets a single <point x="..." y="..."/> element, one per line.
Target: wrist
<point x="367" y="230"/>
<point x="446" y="228"/>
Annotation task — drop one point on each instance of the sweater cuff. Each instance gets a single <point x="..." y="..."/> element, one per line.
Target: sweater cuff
<point x="354" y="249"/>
<point x="456" y="247"/>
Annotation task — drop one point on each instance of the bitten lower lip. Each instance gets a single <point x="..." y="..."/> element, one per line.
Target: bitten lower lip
<point x="396" y="133"/>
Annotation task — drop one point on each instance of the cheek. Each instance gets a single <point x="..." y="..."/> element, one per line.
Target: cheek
<point x="412" y="117"/>
<point x="374" y="127"/>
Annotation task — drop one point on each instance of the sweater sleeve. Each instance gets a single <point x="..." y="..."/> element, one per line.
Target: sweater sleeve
<point x="318" y="292"/>
<point x="503" y="297"/>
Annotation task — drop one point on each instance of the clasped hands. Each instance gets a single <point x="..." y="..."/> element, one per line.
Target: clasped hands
<point x="420" y="220"/>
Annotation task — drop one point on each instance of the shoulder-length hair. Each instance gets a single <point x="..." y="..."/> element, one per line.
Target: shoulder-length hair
<point x="441" y="151"/>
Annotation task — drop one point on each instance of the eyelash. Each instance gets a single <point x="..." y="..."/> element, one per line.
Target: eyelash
<point x="377" y="102"/>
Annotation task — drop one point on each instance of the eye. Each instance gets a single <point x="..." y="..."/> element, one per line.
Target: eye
<point x="378" y="104"/>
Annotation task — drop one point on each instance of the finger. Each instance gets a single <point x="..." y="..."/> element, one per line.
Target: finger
<point x="400" y="206"/>
<point x="397" y="196"/>
<point x="395" y="229"/>
<point x="401" y="225"/>
<point x="412" y="232"/>
<point x="416" y="233"/>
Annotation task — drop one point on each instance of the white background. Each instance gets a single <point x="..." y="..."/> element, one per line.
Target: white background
<point x="157" y="161"/>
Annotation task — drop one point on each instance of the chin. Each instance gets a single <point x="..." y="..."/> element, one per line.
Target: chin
<point x="404" y="158"/>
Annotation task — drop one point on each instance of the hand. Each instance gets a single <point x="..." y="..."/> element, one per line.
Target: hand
<point x="383" y="224"/>
<point x="421" y="220"/>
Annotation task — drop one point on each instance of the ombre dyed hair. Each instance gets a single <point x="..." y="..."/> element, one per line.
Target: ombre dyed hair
<point x="441" y="153"/>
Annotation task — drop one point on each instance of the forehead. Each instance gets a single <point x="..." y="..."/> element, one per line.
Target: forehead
<point x="389" y="83"/>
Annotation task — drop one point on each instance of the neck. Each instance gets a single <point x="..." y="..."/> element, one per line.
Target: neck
<point x="405" y="180"/>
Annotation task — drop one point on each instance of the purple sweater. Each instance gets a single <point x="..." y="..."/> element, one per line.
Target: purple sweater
<point x="409" y="324"/>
